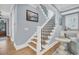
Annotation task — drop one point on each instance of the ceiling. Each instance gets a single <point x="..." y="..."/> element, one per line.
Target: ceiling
<point x="60" y="7"/>
<point x="5" y="7"/>
<point x="65" y="7"/>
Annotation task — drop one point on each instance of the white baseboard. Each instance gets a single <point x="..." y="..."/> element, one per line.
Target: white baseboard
<point x="20" y="46"/>
<point x="25" y="44"/>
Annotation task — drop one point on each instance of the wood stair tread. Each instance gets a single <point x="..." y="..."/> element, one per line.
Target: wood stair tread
<point x="44" y="37"/>
<point x="44" y="43"/>
<point x="32" y="44"/>
<point x="46" y="34"/>
<point x="34" y="40"/>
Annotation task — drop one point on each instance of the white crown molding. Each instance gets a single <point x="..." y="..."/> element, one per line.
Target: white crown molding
<point x="70" y="11"/>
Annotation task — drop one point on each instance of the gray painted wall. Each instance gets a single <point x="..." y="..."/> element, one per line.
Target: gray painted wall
<point x="25" y="29"/>
<point x="63" y="22"/>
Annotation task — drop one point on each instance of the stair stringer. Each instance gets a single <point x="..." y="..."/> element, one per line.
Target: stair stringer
<point x="56" y="33"/>
<point x="49" y="47"/>
<point x="25" y="44"/>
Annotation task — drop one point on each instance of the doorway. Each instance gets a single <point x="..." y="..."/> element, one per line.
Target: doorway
<point x="2" y="28"/>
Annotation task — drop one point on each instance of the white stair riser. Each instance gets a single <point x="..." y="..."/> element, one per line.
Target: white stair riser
<point x="44" y="46"/>
<point x="48" y="28"/>
<point x="46" y="41"/>
<point x="46" y="34"/>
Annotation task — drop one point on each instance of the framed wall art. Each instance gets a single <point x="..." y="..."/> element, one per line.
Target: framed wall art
<point x="31" y="16"/>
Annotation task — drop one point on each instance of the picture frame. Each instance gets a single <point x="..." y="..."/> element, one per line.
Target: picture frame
<point x="31" y="16"/>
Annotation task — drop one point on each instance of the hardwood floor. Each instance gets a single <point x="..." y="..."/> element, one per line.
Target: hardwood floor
<point x="25" y="51"/>
<point x="52" y="49"/>
<point x="9" y="49"/>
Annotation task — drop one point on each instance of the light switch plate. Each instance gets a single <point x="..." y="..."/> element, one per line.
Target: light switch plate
<point x="26" y="29"/>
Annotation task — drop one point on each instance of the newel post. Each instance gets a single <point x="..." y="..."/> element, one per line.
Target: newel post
<point x="38" y="40"/>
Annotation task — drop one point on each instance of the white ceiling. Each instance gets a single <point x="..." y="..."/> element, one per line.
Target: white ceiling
<point x="5" y="7"/>
<point x="64" y="7"/>
<point x="61" y="7"/>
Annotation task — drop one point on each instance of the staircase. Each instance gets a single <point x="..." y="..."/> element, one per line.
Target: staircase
<point x="46" y="32"/>
<point x="33" y="44"/>
<point x="39" y="43"/>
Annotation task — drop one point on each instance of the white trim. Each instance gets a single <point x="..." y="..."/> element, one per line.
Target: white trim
<point x="44" y="46"/>
<point x="48" y="47"/>
<point x="13" y="18"/>
<point x="12" y="23"/>
<point x="13" y="6"/>
<point x="69" y="12"/>
<point x="34" y="42"/>
<point x="53" y="30"/>
<point x="32" y="47"/>
<point x="43" y="12"/>
<point x="48" y="19"/>
<point x="38" y="40"/>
